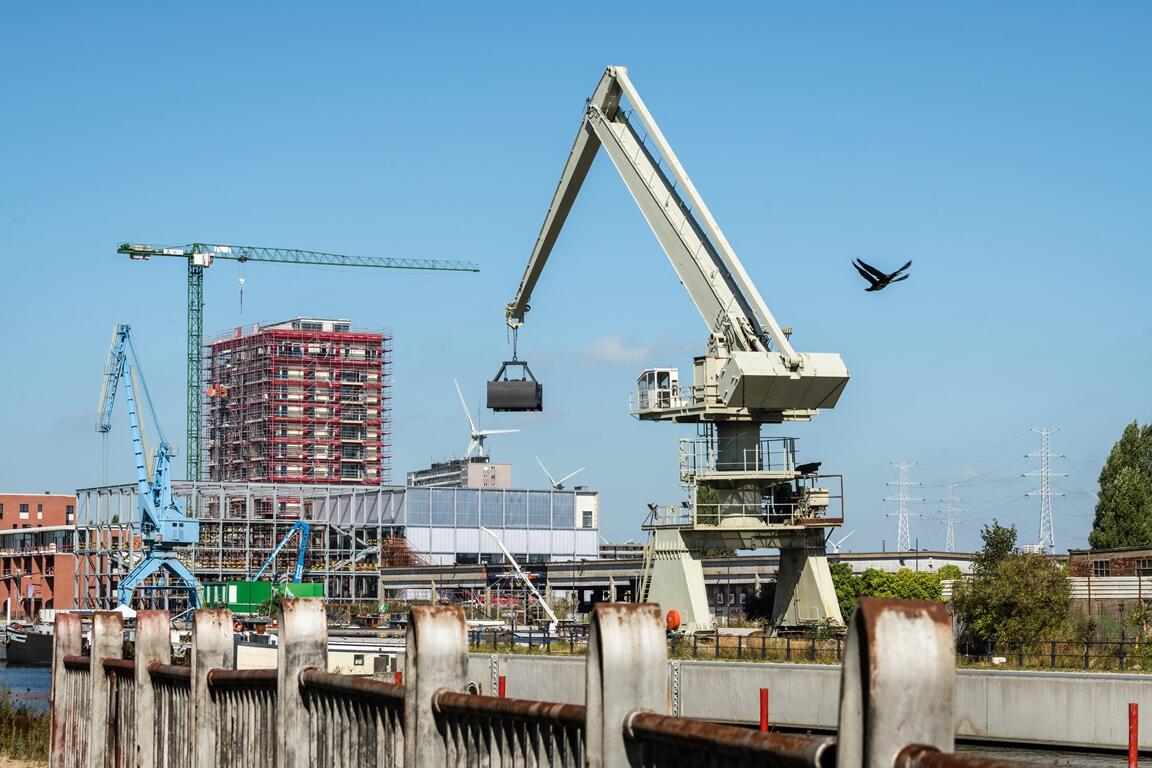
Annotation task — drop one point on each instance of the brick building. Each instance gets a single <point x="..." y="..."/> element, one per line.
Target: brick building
<point x="1122" y="561"/>
<point x="36" y="561"/>
<point x="302" y="401"/>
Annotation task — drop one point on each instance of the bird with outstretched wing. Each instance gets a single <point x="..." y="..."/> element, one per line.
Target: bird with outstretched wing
<point x="878" y="280"/>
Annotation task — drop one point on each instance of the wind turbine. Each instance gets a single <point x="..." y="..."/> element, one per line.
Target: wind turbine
<point x="478" y="435"/>
<point x="835" y="545"/>
<point x="558" y="485"/>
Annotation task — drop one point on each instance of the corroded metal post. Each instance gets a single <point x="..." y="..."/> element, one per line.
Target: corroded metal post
<point x="107" y="643"/>
<point x="68" y="642"/>
<point x="212" y="648"/>
<point x="153" y="643"/>
<point x="627" y="669"/>
<point x="898" y="682"/>
<point x="303" y="644"/>
<point x="436" y="657"/>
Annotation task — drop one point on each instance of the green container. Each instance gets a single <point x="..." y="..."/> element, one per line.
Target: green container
<point x="305" y="589"/>
<point x="240" y="597"/>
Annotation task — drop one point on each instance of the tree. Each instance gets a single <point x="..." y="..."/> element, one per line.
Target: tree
<point x="905" y="584"/>
<point x="1124" y="503"/>
<point x="848" y="587"/>
<point x="1011" y="596"/>
<point x="999" y="543"/>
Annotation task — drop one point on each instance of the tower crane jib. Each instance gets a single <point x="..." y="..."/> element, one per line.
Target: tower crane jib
<point x="200" y="256"/>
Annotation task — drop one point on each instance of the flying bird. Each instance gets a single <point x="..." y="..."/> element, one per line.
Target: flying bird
<point x="878" y="280"/>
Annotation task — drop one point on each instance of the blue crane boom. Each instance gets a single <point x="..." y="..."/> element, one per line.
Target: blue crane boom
<point x="304" y="530"/>
<point x="163" y="524"/>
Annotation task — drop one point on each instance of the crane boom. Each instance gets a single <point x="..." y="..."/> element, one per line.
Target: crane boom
<point x="298" y="527"/>
<point x="527" y="582"/>
<point x="751" y="368"/>
<point x="208" y="252"/>
<point x="199" y="256"/>
<point x="703" y="259"/>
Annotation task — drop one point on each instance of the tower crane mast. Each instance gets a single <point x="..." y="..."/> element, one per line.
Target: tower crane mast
<point x="200" y="256"/>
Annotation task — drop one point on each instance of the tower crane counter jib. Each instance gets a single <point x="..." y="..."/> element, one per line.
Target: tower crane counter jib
<point x="163" y="526"/>
<point x="749" y="375"/>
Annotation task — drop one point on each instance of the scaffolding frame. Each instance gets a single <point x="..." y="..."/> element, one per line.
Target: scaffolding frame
<point x="288" y="403"/>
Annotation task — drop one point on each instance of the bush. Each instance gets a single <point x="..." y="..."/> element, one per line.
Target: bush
<point x="24" y="733"/>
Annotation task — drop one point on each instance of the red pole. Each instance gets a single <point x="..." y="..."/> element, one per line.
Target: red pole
<point x="1133" y="734"/>
<point x="502" y="686"/>
<point x="763" y="709"/>
<point x="399" y="678"/>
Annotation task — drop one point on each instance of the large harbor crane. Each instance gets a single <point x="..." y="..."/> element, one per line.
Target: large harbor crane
<point x="200" y="256"/>
<point x="163" y="526"/>
<point x="747" y="490"/>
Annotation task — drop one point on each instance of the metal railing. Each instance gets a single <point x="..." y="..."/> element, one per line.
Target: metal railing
<point x="700" y="455"/>
<point x="673" y="741"/>
<point x="300" y="715"/>
<point x="245" y="704"/>
<point x="171" y="726"/>
<point x="70" y="734"/>
<point x="353" y="721"/>
<point x="122" y="707"/>
<point x="487" y="730"/>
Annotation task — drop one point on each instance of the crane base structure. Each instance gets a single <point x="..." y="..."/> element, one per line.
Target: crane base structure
<point x="748" y="493"/>
<point x="154" y="562"/>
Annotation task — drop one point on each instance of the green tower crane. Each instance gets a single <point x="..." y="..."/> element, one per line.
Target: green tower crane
<point x="200" y="256"/>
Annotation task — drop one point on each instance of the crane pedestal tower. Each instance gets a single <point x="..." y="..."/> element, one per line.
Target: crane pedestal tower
<point x="747" y="492"/>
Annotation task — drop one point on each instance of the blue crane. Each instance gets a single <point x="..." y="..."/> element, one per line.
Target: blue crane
<point x="163" y="525"/>
<point x="303" y="529"/>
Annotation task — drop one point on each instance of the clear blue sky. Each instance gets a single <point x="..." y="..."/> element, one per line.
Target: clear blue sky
<point x="1005" y="149"/>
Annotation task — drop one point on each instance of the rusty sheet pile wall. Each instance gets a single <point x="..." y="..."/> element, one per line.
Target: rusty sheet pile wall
<point x="145" y="712"/>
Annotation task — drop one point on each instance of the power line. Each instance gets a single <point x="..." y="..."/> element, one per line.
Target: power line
<point x="903" y="535"/>
<point x="1047" y="541"/>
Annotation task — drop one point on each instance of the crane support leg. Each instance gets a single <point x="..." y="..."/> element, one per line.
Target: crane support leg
<point x="153" y="562"/>
<point x="805" y="594"/>
<point x="676" y="580"/>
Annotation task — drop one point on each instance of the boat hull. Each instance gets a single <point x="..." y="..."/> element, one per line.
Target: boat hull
<point x="32" y="648"/>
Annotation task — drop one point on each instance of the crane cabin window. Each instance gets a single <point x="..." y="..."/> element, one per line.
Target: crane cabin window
<point x="658" y="389"/>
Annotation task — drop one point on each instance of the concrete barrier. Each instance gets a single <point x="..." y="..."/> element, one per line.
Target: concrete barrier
<point x="1088" y="710"/>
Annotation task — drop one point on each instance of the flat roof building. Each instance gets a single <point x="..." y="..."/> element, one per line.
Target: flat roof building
<point x="474" y="472"/>
<point x="37" y="568"/>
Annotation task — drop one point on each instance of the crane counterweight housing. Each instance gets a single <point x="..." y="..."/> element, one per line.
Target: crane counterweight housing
<point x="763" y="383"/>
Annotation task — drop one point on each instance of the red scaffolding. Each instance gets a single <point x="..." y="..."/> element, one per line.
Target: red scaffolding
<point x="304" y="401"/>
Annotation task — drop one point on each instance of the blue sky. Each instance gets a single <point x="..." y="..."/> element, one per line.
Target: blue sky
<point x="1004" y="150"/>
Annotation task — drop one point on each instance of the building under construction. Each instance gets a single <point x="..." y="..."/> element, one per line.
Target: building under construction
<point x="355" y="531"/>
<point x="305" y="401"/>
